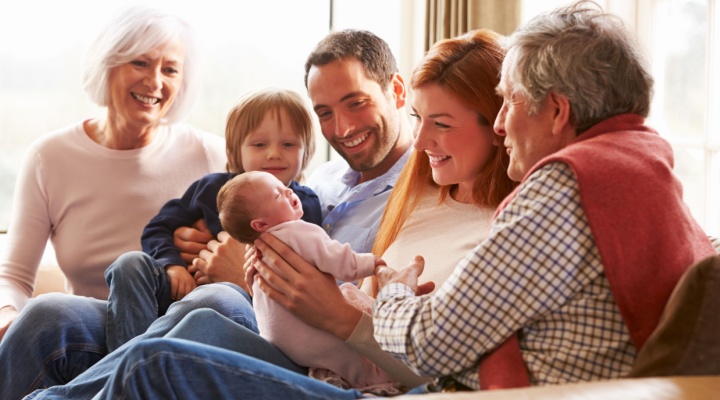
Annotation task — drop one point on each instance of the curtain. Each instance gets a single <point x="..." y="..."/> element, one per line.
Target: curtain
<point x="449" y="18"/>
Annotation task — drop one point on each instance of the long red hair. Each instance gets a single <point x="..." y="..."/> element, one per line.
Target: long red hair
<point x="468" y="66"/>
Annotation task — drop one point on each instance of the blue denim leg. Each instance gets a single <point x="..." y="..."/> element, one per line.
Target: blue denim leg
<point x="225" y="298"/>
<point x="180" y="369"/>
<point x="55" y="338"/>
<point x="208" y="327"/>
<point x="139" y="294"/>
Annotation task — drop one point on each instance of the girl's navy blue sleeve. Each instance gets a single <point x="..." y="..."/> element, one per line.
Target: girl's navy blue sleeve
<point x="310" y="203"/>
<point x="199" y="201"/>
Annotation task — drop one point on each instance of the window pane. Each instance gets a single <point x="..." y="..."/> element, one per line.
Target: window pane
<point x="713" y="210"/>
<point x="714" y="91"/>
<point x="248" y="45"/>
<point x="690" y="169"/>
<point x="679" y="67"/>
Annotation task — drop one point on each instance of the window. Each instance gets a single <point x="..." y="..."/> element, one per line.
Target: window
<point x="247" y="45"/>
<point x="683" y="38"/>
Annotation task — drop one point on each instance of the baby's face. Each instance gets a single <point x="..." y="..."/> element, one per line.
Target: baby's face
<point x="277" y="203"/>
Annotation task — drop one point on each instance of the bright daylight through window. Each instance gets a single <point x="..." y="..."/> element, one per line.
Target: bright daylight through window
<point x="249" y="45"/>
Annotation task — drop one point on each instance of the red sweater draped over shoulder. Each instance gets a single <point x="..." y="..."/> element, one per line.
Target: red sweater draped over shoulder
<point x="643" y="230"/>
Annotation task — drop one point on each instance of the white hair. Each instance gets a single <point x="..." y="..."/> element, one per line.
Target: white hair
<point x="135" y="31"/>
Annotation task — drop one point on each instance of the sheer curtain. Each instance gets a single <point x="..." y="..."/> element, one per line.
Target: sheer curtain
<point x="449" y="18"/>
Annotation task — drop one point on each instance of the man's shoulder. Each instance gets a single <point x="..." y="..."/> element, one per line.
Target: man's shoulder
<point x="336" y="167"/>
<point x="328" y="174"/>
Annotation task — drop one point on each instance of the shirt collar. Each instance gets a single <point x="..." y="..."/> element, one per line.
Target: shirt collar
<point x="382" y="182"/>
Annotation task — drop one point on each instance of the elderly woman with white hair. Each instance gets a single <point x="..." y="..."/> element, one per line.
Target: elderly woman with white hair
<point x="91" y="187"/>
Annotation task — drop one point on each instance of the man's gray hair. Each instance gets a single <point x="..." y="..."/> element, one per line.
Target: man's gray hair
<point x="584" y="54"/>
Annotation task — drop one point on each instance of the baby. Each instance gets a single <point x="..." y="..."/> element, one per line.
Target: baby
<point x="256" y="202"/>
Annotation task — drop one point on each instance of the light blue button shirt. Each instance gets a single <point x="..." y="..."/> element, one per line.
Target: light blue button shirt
<point x="351" y="212"/>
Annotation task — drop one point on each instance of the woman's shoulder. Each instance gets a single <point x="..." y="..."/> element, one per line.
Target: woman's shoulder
<point x="61" y="134"/>
<point x="59" y="140"/>
<point x="187" y="139"/>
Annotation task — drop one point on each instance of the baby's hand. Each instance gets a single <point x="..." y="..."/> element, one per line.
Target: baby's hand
<point x="251" y="255"/>
<point x="181" y="282"/>
<point x="407" y="276"/>
<point x="379" y="261"/>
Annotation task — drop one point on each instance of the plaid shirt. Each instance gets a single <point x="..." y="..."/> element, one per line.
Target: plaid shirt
<point x="539" y="272"/>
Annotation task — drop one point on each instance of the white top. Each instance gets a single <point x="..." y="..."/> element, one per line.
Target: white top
<point x="442" y="233"/>
<point x="93" y="202"/>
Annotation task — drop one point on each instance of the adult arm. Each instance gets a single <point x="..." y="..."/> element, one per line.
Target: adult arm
<point x="190" y="240"/>
<point x="221" y="261"/>
<point x="7" y="316"/>
<point x="27" y="235"/>
<point x="534" y="261"/>
<point x="306" y="291"/>
<point x="303" y="289"/>
<point x="363" y="341"/>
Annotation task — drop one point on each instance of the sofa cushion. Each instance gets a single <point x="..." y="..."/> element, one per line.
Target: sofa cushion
<point x="687" y="338"/>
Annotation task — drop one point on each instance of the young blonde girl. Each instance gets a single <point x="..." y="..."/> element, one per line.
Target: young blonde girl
<point x="269" y="130"/>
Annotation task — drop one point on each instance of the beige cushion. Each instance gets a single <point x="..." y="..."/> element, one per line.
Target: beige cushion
<point x="687" y="339"/>
<point x="49" y="279"/>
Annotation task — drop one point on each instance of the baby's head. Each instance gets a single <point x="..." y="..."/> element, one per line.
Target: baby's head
<point x="254" y="202"/>
<point x="270" y="130"/>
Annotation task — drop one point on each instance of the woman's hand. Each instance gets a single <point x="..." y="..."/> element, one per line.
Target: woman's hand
<point x="311" y="295"/>
<point x="7" y="316"/>
<point x="191" y="240"/>
<point x="407" y="276"/>
<point x="222" y="261"/>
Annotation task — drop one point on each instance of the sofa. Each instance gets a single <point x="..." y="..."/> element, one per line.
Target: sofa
<point x="667" y="388"/>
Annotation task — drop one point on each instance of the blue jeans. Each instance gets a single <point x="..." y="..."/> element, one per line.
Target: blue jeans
<point x="139" y="294"/>
<point x="173" y="368"/>
<point x="204" y="325"/>
<point x="58" y="337"/>
<point x="55" y="338"/>
<point x="180" y="369"/>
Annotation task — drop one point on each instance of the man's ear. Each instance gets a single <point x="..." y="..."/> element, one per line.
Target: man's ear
<point x="258" y="225"/>
<point x="561" y="112"/>
<point x="397" y="84"/>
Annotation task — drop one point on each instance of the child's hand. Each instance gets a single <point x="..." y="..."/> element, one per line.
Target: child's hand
<point x="191" y="240"/>
<point x="181" y="282"/>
